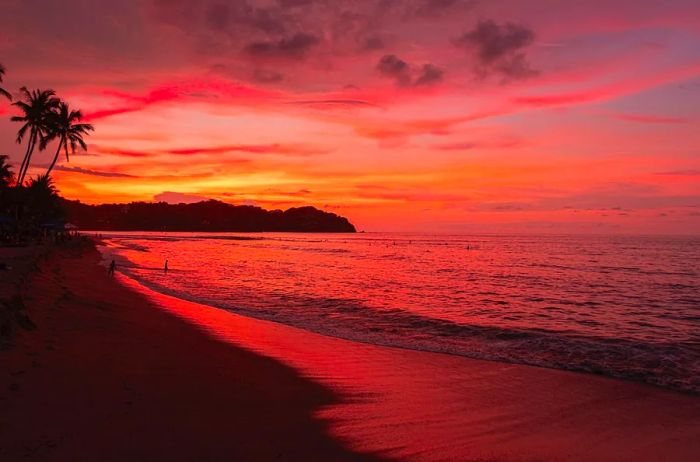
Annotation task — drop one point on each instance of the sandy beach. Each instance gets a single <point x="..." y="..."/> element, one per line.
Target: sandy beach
<point x="109" y="376"/>
<point x="114" y="371"/>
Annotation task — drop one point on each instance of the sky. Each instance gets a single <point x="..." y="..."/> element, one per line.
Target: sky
<point x="452" y="116"/>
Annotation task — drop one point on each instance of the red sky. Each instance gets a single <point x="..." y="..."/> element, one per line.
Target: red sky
<point x="424" y="115"/>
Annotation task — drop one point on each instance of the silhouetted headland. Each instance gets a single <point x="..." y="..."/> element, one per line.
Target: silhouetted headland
<point x="209" y="215"/>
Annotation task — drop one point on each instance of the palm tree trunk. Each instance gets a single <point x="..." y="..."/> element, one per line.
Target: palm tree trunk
<point x="55" y="157"/>
<point x="25" y="161"/>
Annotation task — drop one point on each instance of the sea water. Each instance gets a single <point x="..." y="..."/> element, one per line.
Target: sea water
<point x="621" y="306"/>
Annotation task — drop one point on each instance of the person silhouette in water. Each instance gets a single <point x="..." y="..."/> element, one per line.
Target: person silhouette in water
<point x="112" y="267"/>
<point x="165" y="268"/>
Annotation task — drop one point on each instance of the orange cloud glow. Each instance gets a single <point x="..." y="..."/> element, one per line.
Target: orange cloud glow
<point x="400" y="115"/>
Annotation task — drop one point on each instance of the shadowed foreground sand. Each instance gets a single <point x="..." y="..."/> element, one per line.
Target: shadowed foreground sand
<point x="108" y="377"/>
<point x="117" y="373"/>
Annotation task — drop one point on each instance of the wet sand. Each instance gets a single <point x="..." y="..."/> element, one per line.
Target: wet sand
<point x="421" y="406"/>
<point x="117" y="372"/>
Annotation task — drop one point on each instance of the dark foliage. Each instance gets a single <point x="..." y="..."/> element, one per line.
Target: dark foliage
<point x="202" y="216"/>
<point x="4" y="92"/>
<point x="25" y="209"/>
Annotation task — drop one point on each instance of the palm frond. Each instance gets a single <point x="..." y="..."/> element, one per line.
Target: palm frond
<point x="62" y="123"/>
<point x="6" y="175"/>
<point x="24" y="107"/>
<point x="4" y="92"/>
<point x="22" y="131"/>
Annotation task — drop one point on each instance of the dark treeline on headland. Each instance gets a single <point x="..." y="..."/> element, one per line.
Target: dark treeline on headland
<point x="31" y="208"/>
<point x="202" y="216"/>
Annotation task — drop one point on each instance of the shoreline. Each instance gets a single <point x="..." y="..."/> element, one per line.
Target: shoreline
<point x="336" y="330"/>
<point x="159" y="292"/>
<point x="508" y="411"/>
<point x="108" y="376"/>
<point x="404" y="404"/>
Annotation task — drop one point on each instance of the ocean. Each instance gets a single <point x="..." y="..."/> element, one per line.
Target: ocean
<point x="620" y="306"/>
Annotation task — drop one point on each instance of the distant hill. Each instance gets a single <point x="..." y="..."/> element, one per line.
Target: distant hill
<point x="201" y="216"/>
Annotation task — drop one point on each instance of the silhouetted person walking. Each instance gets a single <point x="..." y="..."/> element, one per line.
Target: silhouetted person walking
<point x="112" y="267"/>
<point x="165" y="268"/>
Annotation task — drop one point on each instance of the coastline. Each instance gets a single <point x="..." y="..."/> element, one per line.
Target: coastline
<point x="117" y="371"/>
<point x="108" y="376"/>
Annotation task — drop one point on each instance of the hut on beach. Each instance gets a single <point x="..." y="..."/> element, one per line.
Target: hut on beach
<point x="58" y="230"/>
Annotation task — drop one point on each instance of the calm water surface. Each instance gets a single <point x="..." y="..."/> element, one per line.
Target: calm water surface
<point x="626" y="307"/>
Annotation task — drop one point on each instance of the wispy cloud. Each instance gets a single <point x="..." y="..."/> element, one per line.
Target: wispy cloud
<point x="86" y="171"/>
<point x="281" y="149"/>
<point x="684" y="172"/>
<point x="650" y="119"/>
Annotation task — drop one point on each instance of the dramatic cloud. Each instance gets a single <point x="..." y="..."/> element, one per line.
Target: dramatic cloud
<point x="493" y="41"/>
<point x="401" y="72"/>
<point x="499" y="48"/>
<point x="429" y="75"/>
<point x="222" y="17"/>
<point x="393" y="67"/>
<point x="294" y="47"/>
<point x="123" y="102"/>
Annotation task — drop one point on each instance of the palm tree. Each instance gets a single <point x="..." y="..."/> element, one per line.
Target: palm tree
<point x="66" y="127"/>
<point x="42" y="185"/>
<point x="36" y="107"/>
<point x="7" y="194"/>
<point x="6" y="175"/>
<point x="41" y="200"/>
<point x="4" y="92"/>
